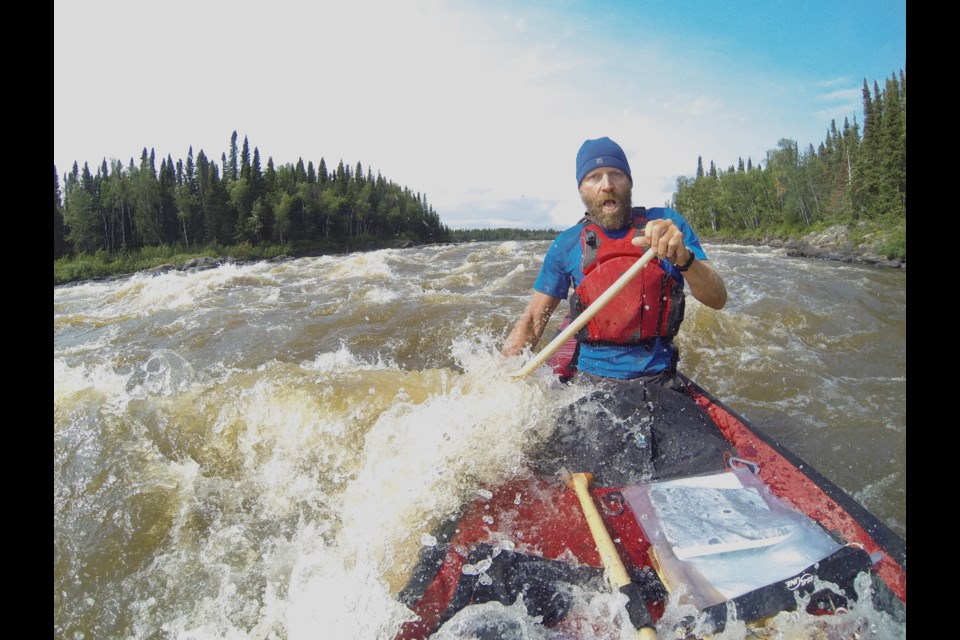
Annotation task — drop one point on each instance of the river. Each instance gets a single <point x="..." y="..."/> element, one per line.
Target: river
<point x="258" y="450"/>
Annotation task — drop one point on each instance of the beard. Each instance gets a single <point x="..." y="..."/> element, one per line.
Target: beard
<point x="612" y="220"/>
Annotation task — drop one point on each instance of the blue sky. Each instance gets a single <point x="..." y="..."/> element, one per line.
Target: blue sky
<point x="479" y="105"/>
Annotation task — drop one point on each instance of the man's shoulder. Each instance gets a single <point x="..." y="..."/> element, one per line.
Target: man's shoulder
<point x="574" y="229"/>
<point x="570" y="234"/>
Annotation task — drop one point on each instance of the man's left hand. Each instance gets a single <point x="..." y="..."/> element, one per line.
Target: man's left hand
<point x="705" y="283"/>
<point x="667" y="239"/>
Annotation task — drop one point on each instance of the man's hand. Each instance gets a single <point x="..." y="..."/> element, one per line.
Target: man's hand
<point x="705" y="283"/>
<point x="527" y="331"/>
<point x="666" y="239"/>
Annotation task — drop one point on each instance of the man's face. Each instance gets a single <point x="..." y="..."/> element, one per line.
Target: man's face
<point x="606" y="193"/>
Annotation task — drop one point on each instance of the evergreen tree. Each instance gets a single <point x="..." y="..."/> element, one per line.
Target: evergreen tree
<point x="103" y="203"/>
<point x="206" y="232"/>
<point x="169" y="221"/>
<point x="114" y="203"/>
<point x="219" y="221"/>
<point x="245" y="159"/>
<point x="893" y="151"/>
<point x="241" y="202"/>
<point x="867" y="169"/>
<point x="59" y="239"/>
<point x="190" y="173"/>
<point x="230" y="169"/>
<point x="256" y="175"/>
<point x="270" y="177"/>
<point x="147" y="221"/>
<point x="187" y="200"/>
<point x="79" y="215"/>
<point x="322" y="176"/>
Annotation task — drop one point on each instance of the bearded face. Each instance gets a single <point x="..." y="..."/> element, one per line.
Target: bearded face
<point x="611" y="208"/>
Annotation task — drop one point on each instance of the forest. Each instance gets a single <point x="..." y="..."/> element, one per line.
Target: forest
<point x="123" y="218"/>
<point x="191" y="205"/>
<point x="854" y="177"/>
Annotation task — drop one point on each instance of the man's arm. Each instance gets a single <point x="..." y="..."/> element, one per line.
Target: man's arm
<point x="706" y="285"/>
<point x="530" y="326"/>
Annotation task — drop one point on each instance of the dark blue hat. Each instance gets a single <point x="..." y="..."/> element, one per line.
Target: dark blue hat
<point x="602" y="152"/>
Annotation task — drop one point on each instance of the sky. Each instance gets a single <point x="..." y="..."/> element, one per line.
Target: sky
<point x="478" y="105"/>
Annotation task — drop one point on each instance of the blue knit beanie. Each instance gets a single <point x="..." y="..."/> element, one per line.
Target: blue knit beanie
<point x="602" y="152"/>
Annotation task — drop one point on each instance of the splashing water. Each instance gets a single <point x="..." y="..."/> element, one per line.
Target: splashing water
<point x="261" y="451"/>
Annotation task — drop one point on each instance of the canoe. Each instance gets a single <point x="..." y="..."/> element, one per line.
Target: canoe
<point x="762" y="534"/>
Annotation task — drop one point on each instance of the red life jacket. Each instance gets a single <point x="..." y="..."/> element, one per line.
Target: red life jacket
<point x="650" y="306"/>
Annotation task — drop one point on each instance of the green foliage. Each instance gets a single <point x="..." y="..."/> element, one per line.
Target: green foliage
<point x="105" y="264"/>
<point x="894" y="245"/>
<point x="847" y="180"/>
<point x="59" y="242"/>
<point x="122" y="220"/>
<point x="488" y="235"/>
<point x="191" y="204"/>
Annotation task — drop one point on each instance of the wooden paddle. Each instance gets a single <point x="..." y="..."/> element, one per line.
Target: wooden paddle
<point x="616" y="571"/>
<point x="587" y="314"/>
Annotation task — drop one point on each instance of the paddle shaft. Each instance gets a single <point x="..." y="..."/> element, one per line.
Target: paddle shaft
<point x="587" y="315"/>
<point x="616" y="571"/>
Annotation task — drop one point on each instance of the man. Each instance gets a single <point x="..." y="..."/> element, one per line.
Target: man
<point x="628" y="347"/>
<point x="605" y="184"/>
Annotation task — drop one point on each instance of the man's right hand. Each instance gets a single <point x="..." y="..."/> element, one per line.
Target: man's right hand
<point x="530" y="326"/>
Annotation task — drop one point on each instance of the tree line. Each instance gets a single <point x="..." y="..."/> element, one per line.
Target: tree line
<point x="501" y="234"/>
<point x="852" y="176"/>
<point x="195" y="203"/>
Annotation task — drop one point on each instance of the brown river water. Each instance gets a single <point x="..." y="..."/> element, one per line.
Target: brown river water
<point x="260" y="450"/>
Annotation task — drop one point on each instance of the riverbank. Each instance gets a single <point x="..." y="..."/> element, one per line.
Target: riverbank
<point x="160" y="259"/>
<point x="837" y="243"/>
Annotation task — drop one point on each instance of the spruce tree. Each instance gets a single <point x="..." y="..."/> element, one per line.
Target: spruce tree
<point x="207" y="231"/>
<point x="190" y="172"/>
<point x="322" y="176"/>
<point x="893" y="150"/>
<point x="79" y="215"/>
<point x="867" y="169"/>
<point x="245" y="159"/>
<point x="230" y="169"/>
<point x="256" y="175"/>
<point x="169" y="221"/>
<point x="270" y="177"/>
<point x="147" y="224"/>
<point x="59" y="241"/>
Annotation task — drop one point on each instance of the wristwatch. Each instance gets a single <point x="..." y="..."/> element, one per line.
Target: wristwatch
<point x="686" y="265"/>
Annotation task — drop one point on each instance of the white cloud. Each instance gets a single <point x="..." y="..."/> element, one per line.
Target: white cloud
<point x="842" y="95"/>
